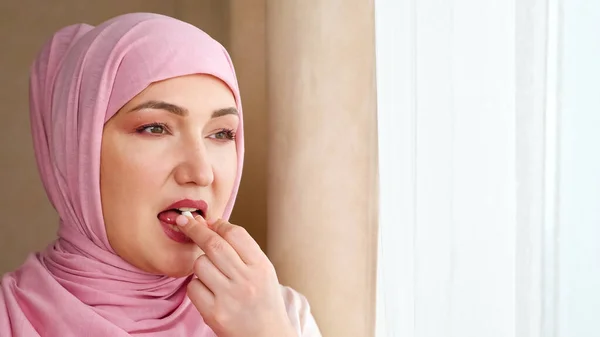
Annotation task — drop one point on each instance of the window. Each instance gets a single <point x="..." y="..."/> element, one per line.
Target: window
<point x="489" y="168"/>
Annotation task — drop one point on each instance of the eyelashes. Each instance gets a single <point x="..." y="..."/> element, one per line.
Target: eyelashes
<point x="224" y="134"/>
<point x="158" y="129"/>
<point x="153" y="128"/>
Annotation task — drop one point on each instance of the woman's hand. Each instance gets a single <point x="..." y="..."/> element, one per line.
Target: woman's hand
<point x="236" y="290"/>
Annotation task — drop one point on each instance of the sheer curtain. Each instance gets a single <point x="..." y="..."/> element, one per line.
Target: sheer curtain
<point x="468" y="114"/>
<point x="578" y="233"/>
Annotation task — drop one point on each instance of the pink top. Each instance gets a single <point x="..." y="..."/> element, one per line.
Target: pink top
<point x="78" y="286"/>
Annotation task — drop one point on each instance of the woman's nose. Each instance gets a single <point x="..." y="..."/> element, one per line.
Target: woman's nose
<point x="195" y="168"/>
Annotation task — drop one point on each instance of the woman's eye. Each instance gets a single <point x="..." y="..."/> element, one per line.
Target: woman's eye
<point x="155" y="129"/>
<point x="224" y="134"/>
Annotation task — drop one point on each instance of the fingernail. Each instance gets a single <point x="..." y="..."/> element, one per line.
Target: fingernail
<point x="181" y="220"/>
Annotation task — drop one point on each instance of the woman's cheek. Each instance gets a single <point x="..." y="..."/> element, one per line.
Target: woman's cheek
<point x="223" y="158"/>
<point x="144" y="165"/>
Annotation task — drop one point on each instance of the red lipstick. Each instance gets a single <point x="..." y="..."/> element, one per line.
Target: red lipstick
<point x="200" y="205"/>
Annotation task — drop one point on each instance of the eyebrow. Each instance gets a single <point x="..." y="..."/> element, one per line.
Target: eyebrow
<point x="181" y="111"/>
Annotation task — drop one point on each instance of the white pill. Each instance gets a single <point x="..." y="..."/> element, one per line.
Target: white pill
<point x="188" y="214"/>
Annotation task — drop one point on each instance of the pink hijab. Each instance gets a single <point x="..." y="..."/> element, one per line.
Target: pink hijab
<point x="78" y="286"/>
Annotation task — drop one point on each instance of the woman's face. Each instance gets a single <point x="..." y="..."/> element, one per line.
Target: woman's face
<point x="170" y="147"/>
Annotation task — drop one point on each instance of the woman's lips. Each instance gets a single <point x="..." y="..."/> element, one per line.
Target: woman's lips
<point x="199" y="205"/>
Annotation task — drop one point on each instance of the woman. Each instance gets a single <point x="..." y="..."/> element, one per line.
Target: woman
<point x="134" y="122"/>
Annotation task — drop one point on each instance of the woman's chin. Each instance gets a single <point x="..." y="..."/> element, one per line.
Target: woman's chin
<point x="178" y="273"/>
<point x="164" y="260"/>
<point x="178" y="265"/>
<point x="176" y="270"/>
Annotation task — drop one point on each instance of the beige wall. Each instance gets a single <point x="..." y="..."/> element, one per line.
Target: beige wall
<point x="24" y="27"/>
<point x="322" y="195"/>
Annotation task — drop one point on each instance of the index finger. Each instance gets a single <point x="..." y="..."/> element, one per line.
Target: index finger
<point x="219" y="251"/>
<point x="237" y="236"/>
